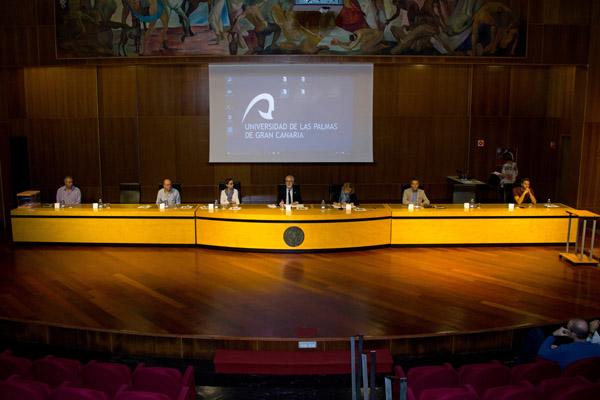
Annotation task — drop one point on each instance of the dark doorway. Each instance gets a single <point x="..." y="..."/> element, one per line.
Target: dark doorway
<point x="19" y="165"/>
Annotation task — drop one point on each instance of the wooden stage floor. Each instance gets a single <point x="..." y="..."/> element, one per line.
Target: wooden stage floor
<point x="381" y="293"/>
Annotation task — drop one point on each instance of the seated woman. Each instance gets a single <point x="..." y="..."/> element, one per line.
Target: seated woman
<point x="229" y="195"/>
<point x="347" y="195"/>
<point x="524" y="193"/>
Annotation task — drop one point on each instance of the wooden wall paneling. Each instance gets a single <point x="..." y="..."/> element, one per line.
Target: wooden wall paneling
<point x="490" y="90"/>
<point x="64" y="146"/>
<point x="61" y="92"/>
<point x="119" y="154"/>
<point x="193" y="171"/>
<point x="590" y="173"/>
<point x="117" y="91"/>
<point x="528" y="91"/>
<point x="561" y="95"/>
<point x="560" y="12"/>
<point x="593" y="89"/>
<point x="566" y="44"/>
<point x="18" y="45"/>
<point x="172" y="90"/>
<point x="494" y="132"/>
<point x="158" y="153"/>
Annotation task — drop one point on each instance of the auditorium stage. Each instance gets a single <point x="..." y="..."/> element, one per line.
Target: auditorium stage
<point x="189" y="301"/>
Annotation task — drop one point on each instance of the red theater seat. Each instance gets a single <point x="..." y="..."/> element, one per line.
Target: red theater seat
<point x="70" y="393"/>
<point x="13" y="365"/>
<point x="484" y="376"/>
<point x="106" y="377"/>
<point x="534" y="372"/>
<point x="135" y="395"/>
<point x="584" y="392"/>
<point x="513" y="392"/>
<point x="168" y="381"/>
<point x="17" y="388"/>
<point x="589" y="368"/>
<point x="430" y="377"/>
<point x="449" y="394"/>
<point x="333" y="362"/>
<point x="556" y="386"/>
<point x="55" y="371"/>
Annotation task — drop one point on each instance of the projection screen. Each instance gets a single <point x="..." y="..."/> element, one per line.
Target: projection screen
<point x="291" y="113"/>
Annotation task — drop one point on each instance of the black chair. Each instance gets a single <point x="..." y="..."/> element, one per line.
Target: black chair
<point x="129" y="193"/>
<point x="174" y="186"/>
<point x="236" y="185"/>
<point x="334" y="192"/>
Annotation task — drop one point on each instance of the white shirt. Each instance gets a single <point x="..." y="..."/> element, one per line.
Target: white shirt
<point x="234" y="198"/>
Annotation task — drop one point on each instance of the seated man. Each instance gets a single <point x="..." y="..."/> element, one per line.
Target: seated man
<point x="168" y="194"/>
<point x="414" y="195"/>
<point x="524" y="193"/>
<point x="69" y="193"/>
<point x="290" y="193"/>
<point x="568" y="353"/>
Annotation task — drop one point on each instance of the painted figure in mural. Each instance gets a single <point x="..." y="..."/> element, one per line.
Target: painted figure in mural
<point x="239" y="27"/>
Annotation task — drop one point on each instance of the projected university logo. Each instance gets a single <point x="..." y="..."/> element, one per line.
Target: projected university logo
<point x="263" y="96"/>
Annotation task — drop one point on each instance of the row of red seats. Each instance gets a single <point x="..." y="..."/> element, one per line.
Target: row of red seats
<point x="494" y="381"/>
<point x="57" y="378"/>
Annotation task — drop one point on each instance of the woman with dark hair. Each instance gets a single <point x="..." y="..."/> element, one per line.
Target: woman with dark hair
<point x="229" y="195"/>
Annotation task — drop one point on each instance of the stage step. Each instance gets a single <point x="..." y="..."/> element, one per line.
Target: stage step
<point x="332" y="362"/>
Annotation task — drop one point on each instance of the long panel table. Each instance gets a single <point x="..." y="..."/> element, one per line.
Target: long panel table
<point x="262" y="228"/>
<point x="489" y="224"/>
<point x="259" y="227"/>
<point x="121" y="223"/>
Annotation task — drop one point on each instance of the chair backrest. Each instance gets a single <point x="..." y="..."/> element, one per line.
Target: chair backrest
<point x="106" y="377"/>
<point x="54" y="371"/>
<point x="513" y="392"/>
<point x="236" y="185"/>
<point x="484" y="376"/>
<point x="448" y="394"/>
<point x="583" y="392"/>
<point x="534" y="372"/>
<point x="167" y="381"/>
<point x="589" y="368"/>
<point x="334" y="192"/>
<point x="430" y="377"/>
<point x="13" y="365"/>
<point x="20" y="391"/>
<point x="556" y="386"/>
<point x="137" y="395"/>
<point x="129" y="193"/>
<point x="72" y="393"/>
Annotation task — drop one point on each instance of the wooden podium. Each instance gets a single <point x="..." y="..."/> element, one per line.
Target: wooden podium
<point x="579" y="257"/>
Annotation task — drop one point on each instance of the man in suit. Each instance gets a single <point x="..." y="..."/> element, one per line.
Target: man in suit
<point x="414" y="195"/>
<point x="290" y="193"/>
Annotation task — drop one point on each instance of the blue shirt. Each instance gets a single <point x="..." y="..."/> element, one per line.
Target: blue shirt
<point x="568" y="353"/>
<point x="65" y="196"/>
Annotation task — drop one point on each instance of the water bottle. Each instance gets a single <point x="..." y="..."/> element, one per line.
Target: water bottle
<point x="548" y="203"/>
<point x="216" y="204"/>
<point x="100" y="204"/>
<point x="322" y="204"/>
<point x="472" y="203"/>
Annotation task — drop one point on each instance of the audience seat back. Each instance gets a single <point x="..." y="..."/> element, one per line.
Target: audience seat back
<point x="589" y="368"/>
<point x="55" y="371"/>
<point x="534" y="372"/>
<point x="17" y="388"/>
<point x="513" y="392"/>
<point x="484" y="376"/>
<point x="12" y="365"/>
<point x="71" y="393"/>
<point x="584" y="392"/>
<point x="106" y="377"/>
<point x="431" y="377"/>
<point x="168" y="381"/>
<point x="137" y="395"/>
<point x="449" y="394"/>
<point x="556" y="386"/>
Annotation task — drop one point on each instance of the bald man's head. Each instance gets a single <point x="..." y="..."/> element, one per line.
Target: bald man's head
<point x="167" y="184"/>
<point x="579" y="329"/>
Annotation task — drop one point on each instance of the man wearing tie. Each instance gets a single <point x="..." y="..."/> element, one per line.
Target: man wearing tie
<point x="289" y="194"/>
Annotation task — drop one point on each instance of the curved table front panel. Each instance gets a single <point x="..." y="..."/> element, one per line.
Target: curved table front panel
<point x="261" y="228"/>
